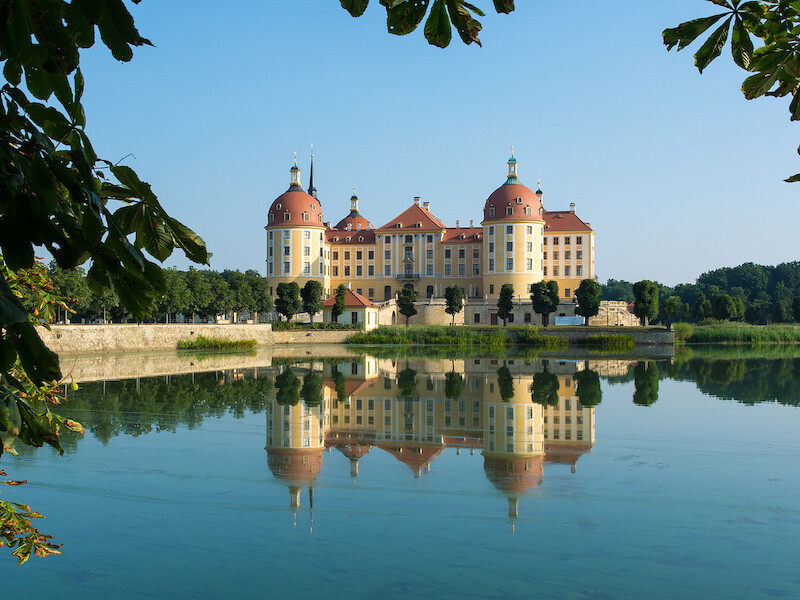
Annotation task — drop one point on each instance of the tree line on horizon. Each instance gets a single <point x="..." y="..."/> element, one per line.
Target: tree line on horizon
<point x="756" y="294"/>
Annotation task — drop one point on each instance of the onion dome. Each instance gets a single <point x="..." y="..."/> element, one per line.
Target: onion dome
<point x="512" y="200"/>
<point x="514" y="475"/>
<point x="354" y="221"/>
<point x="295" y="206"/>
<point x="295" y="467"/>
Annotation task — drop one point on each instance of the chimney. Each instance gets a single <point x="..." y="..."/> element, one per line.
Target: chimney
<point x="572" y="207"/>
<point x="426" y="205"/>
<point x="471" y="223"/>
<point x="416" y="200"/>
<point x="458" y="223"/>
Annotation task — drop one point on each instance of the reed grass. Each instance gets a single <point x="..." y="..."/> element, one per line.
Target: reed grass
<point x="434" y="335"/>
<point x="210" y="343"/>
<point x="743" y="333"/>
<point x="608" y="341"/>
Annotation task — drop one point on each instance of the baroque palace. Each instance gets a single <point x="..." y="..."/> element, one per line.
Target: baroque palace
<point x="517" y="242"/>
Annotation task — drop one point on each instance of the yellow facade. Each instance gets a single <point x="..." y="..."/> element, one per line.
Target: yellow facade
<point x="417" y="250"/>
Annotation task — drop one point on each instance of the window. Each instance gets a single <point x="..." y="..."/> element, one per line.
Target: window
<point x="429" y="254"/>
<point x="579" y="254"/>
<point x="491" y="264"/>
<point x="371" y="270"/>
<point x="286" y="267"/>
<point x="475" y="254"/>
<point x="409" y="252"/>
<point x="509" y="210"/>
<point x="567" y="254"/>
<point x="476" y="269"/>
<point x="462" y="253"/>
<point x="287" y="234"/>
<point x="567" y="292"/>
<point x="509" y="246"/>
<point x="306" y="235"/>
<point x="387" y="239"/>
<point x="287" y="216"/>
<point x="461" y="269"/>
<point x="529" y="247"/>
<point x="555" y="271"/>
<point x="429" y="239"/>
<point x="335" y="271"/>
<point x="544" y="256"/>
<point x="447" y="253"/>
<point x="491" y="288"/>
<point x="286" y="250"/>
<point x="306" y="268"/>
<point x="509" y="229"/>
<point x="447" y="269"/>
<point x="555" y="255"/>
<point x="370" y="293"/>
<point x="491" y="246"/>
<point x="555" y="241"/>
<point x="491" y="211"/>
<point x="509" y="264"/>
<point x="528" y="211"/>
<point x="359" y="271"/>
<point x="579" y="240"/>
<point x="544" y="271"/>
<point x="409" y="239"/>
<point x="270" y="251"/>
<point x="529" y="264"/>
<point x="527" y="320"/>
<point x="347" y="271"/>
<point x="491" y="230"/>
<point x="359" y="255"/>
<point x="429" y="270"/>
<point x="371" y="255"/>
<point x="306" y="250"/>
<point x="566" y="271"/>
<point x="387" y="270"/>
<point x="477" y="318"/>
<point x="387" y="254"/>
<point x="544" y="242"/>
<point x="566" y="241"/>
<point x="579" y="271"/>
<point x="271" y="218"/>
<point x="347" y="256"/>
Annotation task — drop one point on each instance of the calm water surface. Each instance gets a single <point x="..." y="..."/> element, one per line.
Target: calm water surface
<point x="366" y="477"/>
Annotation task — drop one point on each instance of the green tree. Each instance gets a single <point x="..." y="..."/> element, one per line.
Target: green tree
<point x="200" y="294"/>
<point x="773" y="24"/>
<point x="339" y="384"/>
<point x="702" y="307"/>
<point x="645" y="381"/>
<point x="645" y="301"/>
<point x="312" y="298"/>
<point x="781" y="312"/>
<point x="177" y="298"/>
<point x="454" y="301"/>
<point x="221" y="295"/>
<point x="619" y="290"/>
<point x="544" y="297"/>
<point x="287" y="385"/>
<point x="505" y="302"/>
<point x="545" y="388"/>
<point x="453" y="385"/>
<point x="405" y="303"/>
<point x="242" y="299"/>
<point x="505" y="383"/>
<point x="339" y="303"/>
<point x="407" y="382"/>
<point x="71" y="284"/>
<point x="588" y="295"/>
<point x="288" y="303"/>
<point x="672" y="308"/>
<point x="311" y="392"/>
<point x="262" y="301"/>
<point x="796" y="308"/>
<point x="723" y="307"/>
<point x="588" y="387"/>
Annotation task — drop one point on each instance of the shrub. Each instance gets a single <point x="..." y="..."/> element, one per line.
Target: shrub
<point x="530" y="336"/>
<point x="683" y="331"/>
<point x="210" y="343"/>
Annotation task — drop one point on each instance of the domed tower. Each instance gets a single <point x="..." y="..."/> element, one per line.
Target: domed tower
<point x="296" y="245"/>
<point x="354" y="221"/>
<point x="513" y="230"/>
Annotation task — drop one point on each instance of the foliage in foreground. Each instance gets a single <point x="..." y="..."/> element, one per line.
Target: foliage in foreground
<point x="202" y="342"/>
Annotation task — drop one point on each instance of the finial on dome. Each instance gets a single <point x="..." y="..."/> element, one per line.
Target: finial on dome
<point x="354" y="202"/>
<point x="512" y="168"/>
<point x="295" y="159"/>
<point x="295" y="174"/>
<point x="539" y="191"/>
<point x="512" y="150"/>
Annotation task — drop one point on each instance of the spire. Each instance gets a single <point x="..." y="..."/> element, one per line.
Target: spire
<point x="539" y="191"/>
<point x="512" y="169"/>
<point x="312" y="190"/>
<point x="295" y="175"/>
<point x="354" y="202"/>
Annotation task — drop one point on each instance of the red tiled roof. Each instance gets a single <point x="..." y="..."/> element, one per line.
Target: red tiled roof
<point x="351" y="300"/>
<point x="515" y="196"/>
<point x="453" y="236"/>
<point x="351" y="386"/>
<point x="341" y="238"/>
<point x="563" y="220"/>
<point x="295" y="202"/>
<point x="411" y="216"/>
<point x="415" y="457"/>
<point x="354" y="219"/>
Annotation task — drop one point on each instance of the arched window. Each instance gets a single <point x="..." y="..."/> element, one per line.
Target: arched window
<point x="509" y="210"/>
<point x="491" y="211"/>
<point x="528" y="211"/>
<point x="271" y="218"/>
<point x="287" y="216"/>
<point x="306" y="217"/>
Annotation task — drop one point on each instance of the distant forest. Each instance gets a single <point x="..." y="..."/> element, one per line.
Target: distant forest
<point x="758" y="294"/>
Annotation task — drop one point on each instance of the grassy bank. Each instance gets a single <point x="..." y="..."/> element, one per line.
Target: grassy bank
<point x="434" y="335"/>
<point x="608" y="341"/>
<point x="737" y="333"/>
<point x="531" y="336"/>
<point x="209" y="343"/>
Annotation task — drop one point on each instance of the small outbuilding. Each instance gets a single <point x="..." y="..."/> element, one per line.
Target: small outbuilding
<point x="357" y="310"/>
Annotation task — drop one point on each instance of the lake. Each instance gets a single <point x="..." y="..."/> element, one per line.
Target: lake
<point x="383" y="476"/>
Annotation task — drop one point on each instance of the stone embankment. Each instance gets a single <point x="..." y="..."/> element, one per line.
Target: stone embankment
<point x="71" y="339"/>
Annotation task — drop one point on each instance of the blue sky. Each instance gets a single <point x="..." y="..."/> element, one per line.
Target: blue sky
<point x="676" y="172"/>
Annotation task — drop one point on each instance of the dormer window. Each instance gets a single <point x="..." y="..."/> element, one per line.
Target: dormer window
<point x="361" y="238"/>
<point x="419" y="224"/>
<point x="314" y="206"/>
<point x="306" y="217"/>
<point x="462" y="236"/>
<point x="347" y="239"/>
<point x="509" y="210"/>
<point x="277" y="206"/>
<point x="336" y="239"/>
<point x="319" y="217"/>
<point x="519" y="200"/>
<point x="491" y="211"/>
<point x="528" y="211"/>
<point x="399" y="225"/>
<point x="271" y="218"/>
<point x="287" y="216"/>
<point x="358" y="226"/>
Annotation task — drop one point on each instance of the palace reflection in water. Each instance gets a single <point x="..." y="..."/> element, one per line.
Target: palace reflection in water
<point x="519" y="414"/>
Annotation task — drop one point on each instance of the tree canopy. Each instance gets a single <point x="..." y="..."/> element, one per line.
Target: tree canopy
<point x="544" y="298"/>
<point x="405" y="303"/>
<point x="505" y="302"/>
<point x="454" y="301"/>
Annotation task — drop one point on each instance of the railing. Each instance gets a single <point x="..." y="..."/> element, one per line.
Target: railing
<point x="408" y="276"/>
